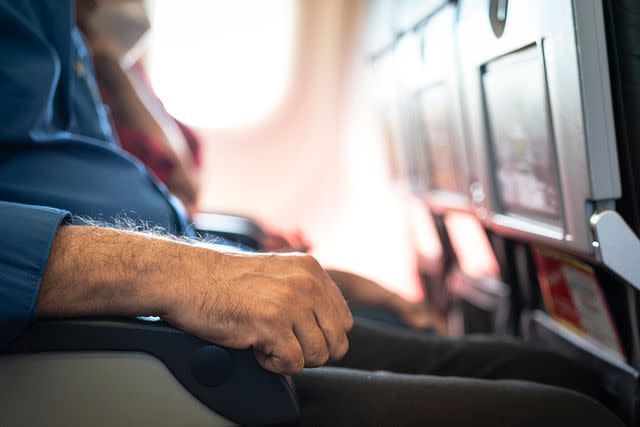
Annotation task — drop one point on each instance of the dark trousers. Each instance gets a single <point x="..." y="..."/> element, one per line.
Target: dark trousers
<point x="392" y="377"/>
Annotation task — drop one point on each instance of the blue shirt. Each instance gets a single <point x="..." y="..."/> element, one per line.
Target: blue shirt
<point x="58" y="153"/>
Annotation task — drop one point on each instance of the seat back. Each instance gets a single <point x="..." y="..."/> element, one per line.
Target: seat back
<point x="553" y="187"/>
<point x="421" y="97"/>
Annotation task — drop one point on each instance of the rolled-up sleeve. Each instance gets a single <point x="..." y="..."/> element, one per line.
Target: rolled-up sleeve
<point x="26" y="235"/>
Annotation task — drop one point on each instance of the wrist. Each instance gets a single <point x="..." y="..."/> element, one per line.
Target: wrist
<point x="182" y="266"/>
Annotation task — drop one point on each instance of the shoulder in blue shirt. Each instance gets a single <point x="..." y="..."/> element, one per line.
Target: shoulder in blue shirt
<point x="58" y="153"/>
<point x="57" y="147"/>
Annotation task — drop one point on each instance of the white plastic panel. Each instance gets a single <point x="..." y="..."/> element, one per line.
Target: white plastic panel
<point x="408" y="13"/>
<point x="568" y="36"/>
<point x="379" y="31"/>
<point x="439" y="104"/>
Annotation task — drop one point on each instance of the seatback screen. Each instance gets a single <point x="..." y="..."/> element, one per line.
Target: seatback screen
<point x="519" y="130"/>
<point x="444" y="169"/>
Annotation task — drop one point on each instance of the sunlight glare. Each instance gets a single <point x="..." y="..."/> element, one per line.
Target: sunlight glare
<point x="219" y="63"/>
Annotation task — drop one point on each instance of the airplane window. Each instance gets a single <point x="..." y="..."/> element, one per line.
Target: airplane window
<point x="221" y="64"/>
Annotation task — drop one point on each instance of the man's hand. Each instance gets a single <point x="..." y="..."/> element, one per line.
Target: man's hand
<point x="284" y="307"/>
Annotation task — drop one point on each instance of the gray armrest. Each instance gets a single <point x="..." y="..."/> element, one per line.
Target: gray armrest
<point x="209" y="384"/>
<point x="236" y="229"/>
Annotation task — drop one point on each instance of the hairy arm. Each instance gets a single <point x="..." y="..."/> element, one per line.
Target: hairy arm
<point x="102" y="271"/>
<point x="284" y="307"/>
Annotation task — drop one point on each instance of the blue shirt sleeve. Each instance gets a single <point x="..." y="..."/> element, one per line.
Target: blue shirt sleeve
<point x="26" y="235"/>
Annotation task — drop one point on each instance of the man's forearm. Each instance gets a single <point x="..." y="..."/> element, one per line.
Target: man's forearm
<point x="102" y="271"/>
<point x="284" y="307"/>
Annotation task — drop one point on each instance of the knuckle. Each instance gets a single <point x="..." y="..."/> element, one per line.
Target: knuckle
<point x="317" y="352"/>
<point x="295" y="362"/>
<point x="272" y="314"/>
<point x="321" y="355"/>
<point x="317" y="357"/>
<point x="296" y="366"/>
<point x="291" y="355"/>
<point x="340" y="347"/>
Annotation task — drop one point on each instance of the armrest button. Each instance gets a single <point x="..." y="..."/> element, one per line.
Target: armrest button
<point x="211" y="366"/>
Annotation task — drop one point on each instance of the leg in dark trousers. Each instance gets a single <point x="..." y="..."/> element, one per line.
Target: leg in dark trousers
<point x="396" y="378"/>
<point x="374" y="346"/>
<point x="348" y="397"/>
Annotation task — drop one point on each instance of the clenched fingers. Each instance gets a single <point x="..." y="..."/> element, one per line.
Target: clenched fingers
<point x="334" y="295"/>
<point x="312" y="340"/>
<point x="282" y="354"/>
<point x="333" y="330"/>
<point x="339" y="303"/>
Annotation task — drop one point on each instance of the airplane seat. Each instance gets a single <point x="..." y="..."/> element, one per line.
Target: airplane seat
<point x="234" y="229"/>
<point x="411" y="46"/>
<point x="134" y="372"/>
<point x="619" y="286"/>
<point x="473" y="292"/>
<point x="483" y="298"/>
<point x="623" y="38"/>
<point x="553" y="109"/>
<point x="392" y="49"/>
<point x="437" y="290"/>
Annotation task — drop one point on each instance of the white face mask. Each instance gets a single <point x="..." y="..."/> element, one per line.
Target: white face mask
<point x="125" y="25"/>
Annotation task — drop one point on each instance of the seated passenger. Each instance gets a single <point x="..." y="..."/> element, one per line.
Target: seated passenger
<point x="58" y="155"/>
<point x="171" y="150"/>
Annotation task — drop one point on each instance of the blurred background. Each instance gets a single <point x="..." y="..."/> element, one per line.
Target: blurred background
<point x="282" y="99"/>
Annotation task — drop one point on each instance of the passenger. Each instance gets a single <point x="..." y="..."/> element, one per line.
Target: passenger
<point x="171" y="150"/>
<point x="58" y="154"/>
<point x="145" y="129"/>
